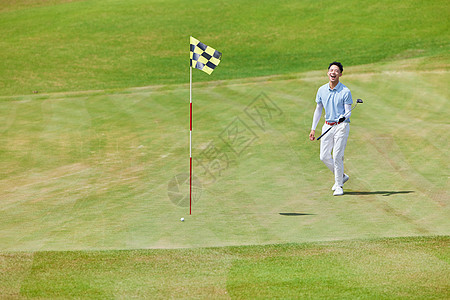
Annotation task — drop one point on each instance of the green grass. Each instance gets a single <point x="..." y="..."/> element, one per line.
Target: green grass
<point x="88" y="162"/>
<point x="406" y="268"/>
<point x="92" y="170"/>
<point x="83" y="45"/>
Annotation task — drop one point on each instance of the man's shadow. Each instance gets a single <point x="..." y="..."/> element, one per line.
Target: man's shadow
<point x="384" y="193"/>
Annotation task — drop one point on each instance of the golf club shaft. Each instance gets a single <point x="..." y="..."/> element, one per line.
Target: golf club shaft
<point x="324" y="133"/>
<point x="336" y="123"/>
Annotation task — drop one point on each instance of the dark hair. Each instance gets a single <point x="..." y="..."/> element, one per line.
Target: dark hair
<point x="338" y="64"/>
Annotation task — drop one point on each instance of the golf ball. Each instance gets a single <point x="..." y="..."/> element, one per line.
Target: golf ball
<point x="182" y="219"/>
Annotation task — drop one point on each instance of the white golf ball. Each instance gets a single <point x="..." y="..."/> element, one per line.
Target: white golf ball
<point x="182" y="219"/>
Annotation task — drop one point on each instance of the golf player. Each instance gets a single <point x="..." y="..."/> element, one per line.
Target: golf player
<point x="336" y="99"/>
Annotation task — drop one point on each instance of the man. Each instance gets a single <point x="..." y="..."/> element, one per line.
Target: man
<point x="336" y="99"/>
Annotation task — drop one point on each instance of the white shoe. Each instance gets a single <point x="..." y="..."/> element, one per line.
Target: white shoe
<point x="346" y="178"/>
<point x="339" y="191"/>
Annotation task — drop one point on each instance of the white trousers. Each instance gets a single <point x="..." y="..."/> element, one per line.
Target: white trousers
<point x="332" y="146"/>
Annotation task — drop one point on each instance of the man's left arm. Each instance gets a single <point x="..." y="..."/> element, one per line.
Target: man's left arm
<point x="347" y="107"/>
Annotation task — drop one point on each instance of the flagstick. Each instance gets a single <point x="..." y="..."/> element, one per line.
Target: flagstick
<point x="190" y="142"/>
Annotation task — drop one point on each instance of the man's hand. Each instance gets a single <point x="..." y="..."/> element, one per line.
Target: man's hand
<point x="341" y="119"/>
<point x="311" y="135"/>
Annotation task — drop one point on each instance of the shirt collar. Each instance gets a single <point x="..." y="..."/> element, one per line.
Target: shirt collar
<point x="336" y="88"/>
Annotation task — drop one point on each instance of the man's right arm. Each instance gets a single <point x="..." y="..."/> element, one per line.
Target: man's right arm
<point x="316" y="119"/>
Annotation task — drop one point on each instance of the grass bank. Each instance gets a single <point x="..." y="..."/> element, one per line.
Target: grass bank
<point x="404" y="268"/>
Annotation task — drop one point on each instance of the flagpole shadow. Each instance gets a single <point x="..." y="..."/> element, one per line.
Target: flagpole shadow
<point x="291" y="214"/>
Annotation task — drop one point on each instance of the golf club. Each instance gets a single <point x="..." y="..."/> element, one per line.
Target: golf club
<point x="357" y="101"/>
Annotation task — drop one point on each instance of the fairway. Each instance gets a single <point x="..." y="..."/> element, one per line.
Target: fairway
<point x="94" y="151"/>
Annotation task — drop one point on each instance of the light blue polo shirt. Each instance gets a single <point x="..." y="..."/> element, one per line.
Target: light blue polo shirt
<point x="333" y="101"/>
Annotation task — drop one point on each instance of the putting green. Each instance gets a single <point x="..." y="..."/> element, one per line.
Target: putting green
<point x="107" y="169"/>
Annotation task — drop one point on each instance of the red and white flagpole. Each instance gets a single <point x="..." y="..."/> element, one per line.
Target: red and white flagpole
<point x="190" y="141"/>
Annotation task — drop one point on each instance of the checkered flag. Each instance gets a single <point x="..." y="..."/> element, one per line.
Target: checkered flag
<point x="204" y="57"/>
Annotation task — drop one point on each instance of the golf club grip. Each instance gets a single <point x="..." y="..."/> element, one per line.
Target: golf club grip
<point x="324" y="133"/>
<point x="344" y="116"/>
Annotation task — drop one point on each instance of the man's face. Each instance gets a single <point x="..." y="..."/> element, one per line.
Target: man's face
<point x="334" y="73"/>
